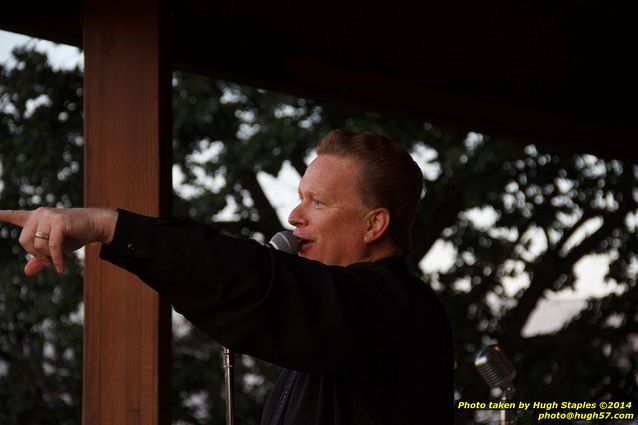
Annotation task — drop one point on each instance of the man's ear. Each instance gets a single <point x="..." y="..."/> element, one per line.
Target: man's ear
<point x="378" y="221"/>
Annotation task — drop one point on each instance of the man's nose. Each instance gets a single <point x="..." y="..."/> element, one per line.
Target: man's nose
<point x="297" y="217"/>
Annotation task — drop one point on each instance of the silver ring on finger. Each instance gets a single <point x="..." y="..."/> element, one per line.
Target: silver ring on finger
<point x="42" y="235"/>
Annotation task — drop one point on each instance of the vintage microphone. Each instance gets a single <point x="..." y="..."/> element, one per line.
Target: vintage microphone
<point x="283" y="241"/>
<point x="498" y="372"/>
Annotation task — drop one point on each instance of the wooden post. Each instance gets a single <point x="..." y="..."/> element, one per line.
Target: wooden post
<point x="127" y="85"/>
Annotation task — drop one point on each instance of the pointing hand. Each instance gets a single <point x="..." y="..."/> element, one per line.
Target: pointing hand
<point x="49" y="233"/>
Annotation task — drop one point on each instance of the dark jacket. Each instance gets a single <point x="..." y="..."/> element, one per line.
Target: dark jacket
<point x="368" y="343"/>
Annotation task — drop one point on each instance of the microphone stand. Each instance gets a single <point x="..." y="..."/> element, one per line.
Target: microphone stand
<point x="507" y="416"/>
<point x="283" y="241"/>
<point x="229" y="377"/>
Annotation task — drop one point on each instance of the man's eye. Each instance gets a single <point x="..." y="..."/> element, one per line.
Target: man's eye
<point x="316" y="203"/>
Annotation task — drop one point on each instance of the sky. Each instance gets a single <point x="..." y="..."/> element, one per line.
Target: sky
<point x="61" y="56"/>
<point x="551" y="312"/>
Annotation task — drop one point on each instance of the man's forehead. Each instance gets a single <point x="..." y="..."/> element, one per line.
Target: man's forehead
<point x="330" y="173"/>
<point x="334" y="164"/>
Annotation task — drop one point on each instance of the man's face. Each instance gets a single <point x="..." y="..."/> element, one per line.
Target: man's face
<point x="330" y="219"/>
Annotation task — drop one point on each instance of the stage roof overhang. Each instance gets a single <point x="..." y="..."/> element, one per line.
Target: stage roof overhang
<point x="558" y="73"/>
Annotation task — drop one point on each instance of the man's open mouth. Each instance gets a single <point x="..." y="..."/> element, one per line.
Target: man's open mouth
<point x="303" y="243"/>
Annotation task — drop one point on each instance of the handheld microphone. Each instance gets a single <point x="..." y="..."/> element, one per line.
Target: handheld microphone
<point x="285" y="241"/>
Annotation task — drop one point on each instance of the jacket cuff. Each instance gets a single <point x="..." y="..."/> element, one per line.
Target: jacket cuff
<point x="130" y="247"/>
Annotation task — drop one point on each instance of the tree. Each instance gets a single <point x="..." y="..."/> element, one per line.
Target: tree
<point x="531" y="192"/>
<point x="40" y="324"/>
<point x="539" y="201"/>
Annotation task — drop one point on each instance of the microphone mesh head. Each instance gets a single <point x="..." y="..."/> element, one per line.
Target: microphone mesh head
<point x="285" y="241"/>
<point x="495" y="368"/>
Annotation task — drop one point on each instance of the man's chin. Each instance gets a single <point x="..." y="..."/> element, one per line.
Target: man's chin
<point x="306" y="252"/>
<point x="308" y="257"/>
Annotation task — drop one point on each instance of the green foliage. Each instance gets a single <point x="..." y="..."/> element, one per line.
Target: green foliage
<point x="530" y="193"/>
<point x="40" y="159"/>
<point x="539" y="203"/>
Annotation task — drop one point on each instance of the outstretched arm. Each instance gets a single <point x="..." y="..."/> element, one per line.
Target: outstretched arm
<point x="49" y="233"/>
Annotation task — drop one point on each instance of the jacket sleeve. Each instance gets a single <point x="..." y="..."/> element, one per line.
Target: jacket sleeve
<point x="288" y="310"/>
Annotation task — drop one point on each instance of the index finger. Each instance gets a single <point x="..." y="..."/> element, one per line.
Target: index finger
<point x="17" y="217"/>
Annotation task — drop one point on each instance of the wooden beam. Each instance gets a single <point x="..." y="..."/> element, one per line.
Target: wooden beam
<point x="127" y="117"/>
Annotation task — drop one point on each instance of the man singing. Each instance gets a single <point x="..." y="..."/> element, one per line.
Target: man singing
<point x="362" y="340"/>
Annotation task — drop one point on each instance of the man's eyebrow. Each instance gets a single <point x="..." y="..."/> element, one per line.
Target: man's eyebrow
<point x="309" y="193"/>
